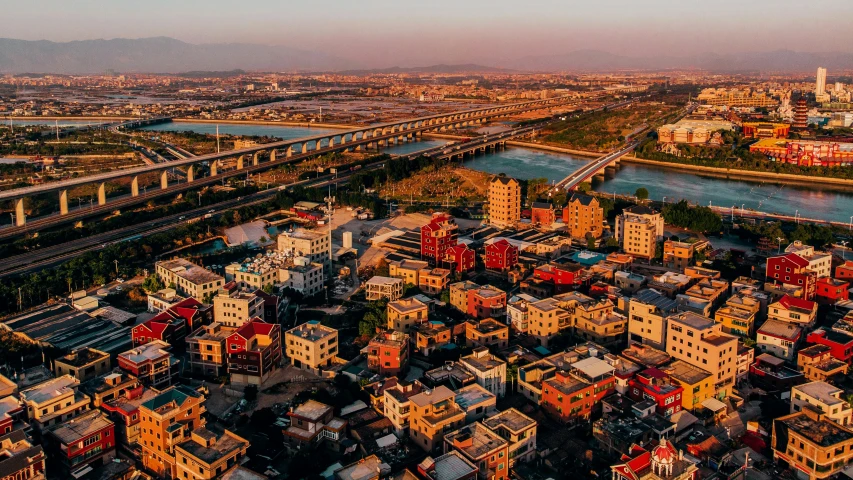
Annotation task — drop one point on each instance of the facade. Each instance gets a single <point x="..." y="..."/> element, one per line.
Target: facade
<point x="542" y="214"/>
<point x="501" y="256"/>
<point x="808" y="442"/>
<point x="840" y="344"/>
<point x="189" y="279"/>
<point x="701" y="342"/>
<point x="23" y="460"/>
<point x="86" y="440"/>
<point x="109" y="386"/>
<point x="303" y="276"/>
<point x="124" y="411"/>
<point x="384" y="287"/>
<point x="437" y="236"/>
<point x="663" y="462"/>
<point x="206" y="348"/>
<point x="462" y="258"/>
<point x="677" y="255"/>
<point x="254" y="352"/>
<point x="779" y="338"/>
<point x="486" y="333"/>
<point x="831" y="291"/>
<point x="207" y="454"/>
<point x="638" y="230"/>
<point x="771" y="374"/>
<point x="793" y="310"/>
<point x="518" y="430"/>
<point x="489" y="370"/>
<point x="233" y="308"/>
<point x="406" y="314"/>
<point x="738" y="315"/>
<point x="486" y="302"/>
<point x="697" y="384"/>
<point x="504" y="202"/>
<point x="430" y="336"/>
<point x="167" y="420"/>
<point x="397" y="406"/>
<point x="54" y="402"/>
<point x="311" y="345"/>
<point x="388" y="353"/>
<point x="459" y="294"/>
<point x="312" y="244"/>
<point x="481" y="447"/>
<point x="517" y="311"/>
<point x="817" y="364"/>
<point x="409" y="270"/>
<point x="150" y="363"/>
<point x="824" y="398"/>
<point x="83" y="364"/>
<point x="647" y="312"/>
<point x="584" y="217"/>
<point x="312" y="423"/>
<point x="572" y="395"/>
<point x="655" y="385"/>
<point x="563" y="277"/>
<point x="792" y="269"/>
<point x="432" y="282"/>
<point x="434" y="412"/>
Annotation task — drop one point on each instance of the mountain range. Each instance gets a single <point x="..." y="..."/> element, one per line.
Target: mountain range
<point x="168" y="55"/>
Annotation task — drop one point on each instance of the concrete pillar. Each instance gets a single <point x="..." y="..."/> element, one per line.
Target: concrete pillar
<point x="256" y="158"/>
<point x="289" y="151"/>
<point x="273" y="155"/>
<point x="304" y="147"/>
<point x="331" y="142"/>
<point x="102" y="194"/>
<point x="20" y="216"/>
<point x="214" y="168"/>
<point x="240" y="162"/>
<point x="164" y="179"/>
<point x="190" y="175"/>
<point x="63" y="202"/>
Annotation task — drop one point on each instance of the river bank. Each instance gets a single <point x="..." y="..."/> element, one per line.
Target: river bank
<point x="341" y="126"/>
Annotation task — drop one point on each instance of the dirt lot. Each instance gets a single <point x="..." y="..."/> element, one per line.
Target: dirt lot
<point x="439" y="185"/>
<point x="284" y="384"/>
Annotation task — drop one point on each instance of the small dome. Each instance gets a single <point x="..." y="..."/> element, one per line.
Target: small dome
<point x="664" y="453"/>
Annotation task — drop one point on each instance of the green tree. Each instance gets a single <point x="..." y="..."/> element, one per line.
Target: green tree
<point x="642" y="193"/>
<point x="269" y="289"/>
<point x="590" y="242"/>
<point x="584" y="187"/>
<point x="445" y="296"/>
<point x="375" y="317"/>
<point x="152" y="283"/>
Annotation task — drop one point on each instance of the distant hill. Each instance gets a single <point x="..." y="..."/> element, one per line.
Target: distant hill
<point x="441" y="68"/>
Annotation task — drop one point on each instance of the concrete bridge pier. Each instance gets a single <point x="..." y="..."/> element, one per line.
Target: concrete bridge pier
<point x="240" y="162"/>
<point x="601" y="172"/>
<point x="214" y="168"/>
<point x="272" y="155"/>
<point x="134" y="182"/>
<point x="256" y="158"/>
<point x="190" y="174"/>
<point x="331" y="141"/>
<point x="63" y="202"/>
<point x="289" y="152"/>
<point x="304" y="147"/>
<point x="102" y="193"/>
<point x="164" y="179"/>
<point x="20" y="216"/>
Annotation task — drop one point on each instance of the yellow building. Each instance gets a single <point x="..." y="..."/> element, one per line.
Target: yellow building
<point x="459" y="294"/>
<point x="166" y="421"/>
<point x="405" y="313"/>
<point x="817" y="363"/>
<point x="584" y="216"/>
<point x="504" y="202"/>
<point x="647" y="314"/>
<point x="188" y="279"/>
<point x="311" y="345"/>
<point x="433" y="414"/>
<point x="545" y="319"/>
<point x="808" y="442"/>
<point x="638" y="230"/>
<point x="677" y="255"/>
<point x="738" y="315"/>
<point x="83" y="364"/>
<point x="409" y="270"/>
<point x="697" y="383"/>
<point x="700" y="341"/>
<point x="432" y="282"/>
<point x="207" y="454"/>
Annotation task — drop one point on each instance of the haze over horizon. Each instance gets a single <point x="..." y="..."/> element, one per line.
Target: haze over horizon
<point x="384" y="33"/>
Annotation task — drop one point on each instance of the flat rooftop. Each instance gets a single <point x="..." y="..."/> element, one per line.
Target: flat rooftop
<point x="151" y="351"/>
<point x="436" y="395"/>
<point x="684" y="372"/>
<point x="190" y="271"/>
<point x="822" y="391"/>
<point x="312" y="330"/>
<point x="379" y="280"/>
<point x="511" y="419"/>
<point x="364" y="469"/>
<point x="50" y="389"/>
<point x="78" y="428"/>
<point x="823" y="433"/>
<point x="312" y="410"/>
<point x="224" y="445"/>
<point x="693" y="320"/>
<point x="83" y="356"/>
<point x="475" y="440"/>
<point x="407" y="305"/>
<point x="472" y="396"/>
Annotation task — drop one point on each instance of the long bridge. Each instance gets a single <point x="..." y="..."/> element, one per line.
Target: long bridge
<point x="248" y="161"/>
<point x="596" y="167"/>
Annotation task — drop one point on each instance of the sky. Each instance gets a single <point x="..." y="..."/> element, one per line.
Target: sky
<point x="381" y="33"/>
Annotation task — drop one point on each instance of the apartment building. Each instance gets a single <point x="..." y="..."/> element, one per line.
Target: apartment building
<point x="655" y="385"/>
<point x="87" y="440"/>
<point x="379" y="287"/>
<point x="584" y="217"/>
<point x="388" y="353"/>
<point x="167" y="420"/>
<point x="793" y="310"/>
<point x="124" y="411"/>
<point x="207" y="454"/>
<point x="606" y="328"/>
<point x="486" y="302"/>
<point x="840" y="343"/>
<point x="233" y="308"/>
<point x="792" y="270"/>
<point x="808" y="442"/>
<point x="109" y="386"/>
<point x="303" y="276"/>
<point x="437" y="237"/>
<point x="254" y="352"/>
<point x="206" y="348"/>
<point x="678" y="255"/>
<point x="701" y="342"/>
<point x="174" y="323"/>
<point x="486" y="333"/>
<point x="12" y="415"/>
<point x="188" y="279"/>
<point x="647" y="312"/>
<point x="779" y="338"/>
<point x="481" y="447"/>
<point x="312" y="244"/>
<point x="697" y="384"/>
<point x="397" y="406"/>
<point x="459" y="294"/>
<point x="405" y="314"/>
<point x="476" y="402"/>
<point x="460" y="258"/>
<point x="504" y="202"/>
<point x="450" y="466"/>
<point x="430" y="336"/>
<point x="638" y="230"/>
<point x="311" y="345"/>
<point x="434" y="413"/>
<point x="54" y="402"/>
<point x="433" y="281"/>
<point x="83" y="364"/>
<point x="572" y="395"/>
<point x="546" y="319"/>
<point x="489" y="370"/>
<point x="824" y="398"/>
<point x="312" y="423"/>
<point x="150" y="363"/>
<point x="409" y="270"/>
<point x="22" y="460"/>
<point x="738" y="315"/>
<point x="501" y="256"/>
<point x="817" y="364"/>
<point x="769" y="373"/>
<point x="518" y="430"/>
<point x="518" y="313"/>
<point x="819" y="262"/>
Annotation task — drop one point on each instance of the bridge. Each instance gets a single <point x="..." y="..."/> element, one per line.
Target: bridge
<point x="276" y="154"/>
<point x="596" y="167"/>
<point x="135" y="123"/>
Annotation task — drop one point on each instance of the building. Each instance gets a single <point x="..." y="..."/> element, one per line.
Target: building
<point x="793" y="310"/>
<point x="397" y="406"/>
<point x="437" y="236"/>
<point x="655" y="385"/>
<point x="564" y="277"/>
<point x="738" y="315"/>
<point x="22" y="459"/>
<point x="233" y="308"/>
<point x="486" y="333"/>
<point x="172" y="324"/>
<point x="820" y="82"/>
<point x="206" y="348"/>
<point x="645" y="355"/>
<point x="150" y="363"/>
<point x="501" y="256"/>
<point x="312" y="423"/>
<point x="678" y="255"/>
<point x="311" y="345"/>
<point x="409" y="270"/>
<point x="12" y="415"/>
<point x="779" y="338"/>
<point x="459" y="294"/>
<point x="109" y="386"/>
<point x="504" y="202"/>
<point x="518" y="430"/>
<point x="808" y="442"/>
<point x="311" y="244"/>
<point x="546" y="318"/>
<point x="663" y="462"/>
<point x="770" y="374"/>
<point x="167" y="420"/>
<point x="489" y="370"/>
<point x="831" y="291"/>
<point x="384" y="287"/>
<point x="430" y="336"/>
<point x="840" y="344"/>
<point x="476" y="402"/>
<point x="638" y="229"/>
<point x="844" y="271"/>
<point x="601" y="324"/>
<point x="462" y="258"/>
<point x="433" y="282"/>
<point x="54" y="402"/>
<point x="434" y="412"/>
<point x="517" y="311"/>
<point x="83" y="364"/>
<point x="647" y="312"/>
<point x="805" y="152"/>
<point x="254" y="352"/>
<point x="765" y="130"/>
<point x="188" y="279"/>
<point x="303" y="276"/>
<point x="792" y="269"/>
<point x="823" y="398"/>
<point x="124" y="411"/>
<point x="817" y="364"/>
<point x="450" y="466"/>
<point x="542" y="214"/>
<point x="406" y="314"/>
<point x="572" y="394"/>
<point x="485" y="302"/>
<point x="697" y="384"/>
<point x="208" y="454"/>
<point x="368" y="468"/>
<point x="388" y="353"/>
<point x="481" y="447"/>
<point x="584" y="217"/>
<point x="701" y="342"/>
<point x="87" y="440"/>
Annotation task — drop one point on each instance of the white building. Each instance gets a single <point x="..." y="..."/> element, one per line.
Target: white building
<point x="824" y="398"/>
<point x="779" y="338"/>
<point x="517" y="311"/>
<point x="307" y="243"/>
<point x="489" y="370"/>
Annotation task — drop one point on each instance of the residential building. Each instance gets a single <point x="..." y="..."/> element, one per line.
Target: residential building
<point x="486" y="333"/>
<point x="254" y="352"/>
<point x="745" y="358"/>
<point x="629" y="282"/>
<point x="304" y="276"/>
<point x="481" y="447"/>
<point x="150" y="363"/>
<point x="188" y="279"/>
<point x="433" y="281"/>
<point x="109" y="386"/>
<point x="437" y="236"/>
<point x="208" y="454"/>
<point x="388" y="353"/>
<point x="646" y="355"/>
<point x="831" y="291"/>
<point x="167" y="420"/>
<point x="711" y="291"/>
<point x="450" y="466"/>
<point x="124" y="411"/>
<point x="489" y="370"/>
<point x="311" y="345"/>
<point x="397" y="406"/>
<point x="638" y="230"/>
<point x="434" y="412"/>
<point x="701" y="342"/>
<point x="572" y="395"/>
<point x="460" y="258"/>
<point x="655" y="385"/>
<point x="564" y="277"/>
<point x="817" y="364"/>
<point x="518" y="430"/>
<point x="770" y="374"/>
<point x="12" y="416"/>
<point x="792" y="269"/>
<point x="584" y="217"/>
<point x="54" y="402"/>
<point x="206" y="348"/>
<point x="476" y="402"/>
<point x="697" y="384"/>
<point x="839" y="343"/>
<point x="808" y="442"/>
<point x="501" y="256"/>
<point x="542" y="214"/>
<point x="738" y="315"/>
<point x="844" y="271"/>
<point x="459" y="294"/>
<point x="504" y="202"/>
<point x="409" y="270"/>
<point x="819" y="262"/>
<point x="677" y="255"/>
<point x="172" y="324"/>
<point x="233" y="308"/>
<point x="405" y="314"/>
<point x="163" y="299"/>
<point x="647" y="312"/>
<point x="275" y="306"/>
<point x="486" y="302"/>
<point x="779" y="338"/>
<point x="824" y="398"/>
<point x="87" y="440"/>
<point x="311" y="244"/>
<point x="793" y="310"/>
<point x="546" y="318"/>
<point x="384" y="287"/>
<point x="601" y="324"/>
<point x="430" y="336"/>
<point x="313" y="423"/>
<point x="452" y="375"/>
<point x="663" y="462"/>
<point x="517" y="311"/>
<point x="22" y="459"/>
<point x="83" y="364"/>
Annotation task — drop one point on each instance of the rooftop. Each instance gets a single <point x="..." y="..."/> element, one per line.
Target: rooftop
<point x="209" y="446"/>
<point x="684" y="372"/>
<point x="80" y="427"/>
<point x="312" y="410"/>
<point x="379" y="280"/>
<point x="593" y="367"/>
<point x="511" y="419"/>
<point x="475" y="441"/>
<point x="430" y="397"/>
<point x="482" y="361"/>
<point x="645" y="355"/>
<point x="472" y="396"/>
<point x="823" y="433"/>
<point x="693" y="320"/>
<point x="190" y="271"/>
<point x="50" y="389"/>
<point x="407" y="305"/>
<point x="365" y="469"/>
<point x="780" y="329"/>
<point x="83" y="356"/>
<point x="312" y="330"/>
<point x="450" y="466"/>
<point x="823" y="392"/>
<point x="150" y="352"/>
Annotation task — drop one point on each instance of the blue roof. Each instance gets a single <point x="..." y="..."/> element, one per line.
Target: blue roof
<point x="542" y="350"/>
<point x="449" y="346"/>
<point x="587" y="258"/>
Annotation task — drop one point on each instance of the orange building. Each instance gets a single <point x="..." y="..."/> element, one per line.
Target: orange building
<point x="584" y="216"/>
<point x="486" y="302"/>
<point x="433" y="413"/>
<point x="388" y="353"/>
<point x="572" y="395"/>
<point x="486" y="333"/>
<point x="430" y="336"/>
<point x="167" y="420"/>
<point x="482" y="447"/>
<point x="766" y="130"/>
<point x="542" y="214"/>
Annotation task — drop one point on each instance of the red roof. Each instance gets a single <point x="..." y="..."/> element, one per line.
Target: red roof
<point x="254" y="327"/>
<point x="793" y="302"/>
<point x="501" y="245"/>
<point x="457" y="249"/>
<point x="795" y="259"/>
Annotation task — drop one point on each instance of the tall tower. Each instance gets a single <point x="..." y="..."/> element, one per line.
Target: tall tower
<point x="820" y="84"/>
<point x="801" y="115"/>
<point x="504" y="202"/>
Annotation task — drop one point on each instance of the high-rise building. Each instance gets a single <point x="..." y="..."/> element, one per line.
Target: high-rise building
<point x="820" y="83"/>
<point x="504" y="202"/>
<point x="638" y="230"/>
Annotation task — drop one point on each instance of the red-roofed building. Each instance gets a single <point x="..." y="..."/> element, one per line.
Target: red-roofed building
<point x="655" y="385"/>
<point x="172" y="324"/>
<point x="844" y="271"/>
<point x="151" y="363"/>
<point x="793" y="310"/>
<point x="664" y="462"/>
<point x="792" y="269"/>
<point x="461" y="257"/>
<point x="501" y="256"/>
<point x="254" y="352"/>
<point x="564" y="277"/>
<point x="831" y="291"/>
<point x="437" y="236"/>
<point x="840" y="344"/>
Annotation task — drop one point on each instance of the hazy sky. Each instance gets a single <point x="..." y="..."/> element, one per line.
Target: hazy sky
<point x="401" y="32"/>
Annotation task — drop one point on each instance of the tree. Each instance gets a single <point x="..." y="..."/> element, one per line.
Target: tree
<point x="269" y="289"/>
<point x="152" y="283"/>
<point x="584" y="187"/>
<point x="382" y="268"/>
<point x="590" y="242"/>
<point x="642" y="193"/>
<point x="445" y="296"/>
<point x="612" y="242"/>
<point x="250" y="393"/>
<point x="375" y="317"/>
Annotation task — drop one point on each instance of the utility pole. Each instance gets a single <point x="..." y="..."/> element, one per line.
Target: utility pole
<point x="116" y="262"/>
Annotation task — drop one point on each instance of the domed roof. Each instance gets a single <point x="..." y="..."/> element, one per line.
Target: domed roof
<point x="664" y="453"/>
